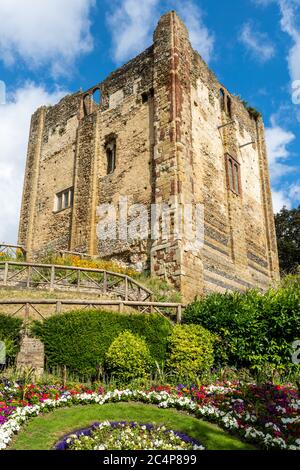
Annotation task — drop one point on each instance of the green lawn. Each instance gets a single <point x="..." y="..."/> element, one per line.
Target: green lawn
<point x="42" y="432"/>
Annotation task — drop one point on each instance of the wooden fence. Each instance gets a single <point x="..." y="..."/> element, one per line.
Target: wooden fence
<point x="12" y="250"/>
<point x="58" y="277"/>
<point x="28" y="307"/>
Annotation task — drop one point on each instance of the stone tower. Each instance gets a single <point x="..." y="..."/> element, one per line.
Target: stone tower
<point x="164" y="132"/>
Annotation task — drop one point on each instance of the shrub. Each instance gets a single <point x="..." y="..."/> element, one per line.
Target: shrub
<point x="10" y="334"/>
<point x="253" y="329"/>
<point x="79" y="340"/>
<point x="162" y="290"/>
<point x="190" y="351"/>
<point x="73" y="260"/>
<point x="128" y="358"/>
<point x="11" y="349"/>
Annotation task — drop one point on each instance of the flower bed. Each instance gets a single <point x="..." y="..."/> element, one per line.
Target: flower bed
<point x="265" y="415"/>
<point x="127" y="436"/>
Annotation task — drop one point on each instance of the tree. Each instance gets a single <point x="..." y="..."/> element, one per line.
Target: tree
<point x="288" y="239"/>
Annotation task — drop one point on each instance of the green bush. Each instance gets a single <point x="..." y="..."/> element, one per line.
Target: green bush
<point x="128" y="358"/>
<point x="253" y="329"/>
<point x="79" y="340"/>
<point x="10" y="334"/>
<point x="190" y="351"/>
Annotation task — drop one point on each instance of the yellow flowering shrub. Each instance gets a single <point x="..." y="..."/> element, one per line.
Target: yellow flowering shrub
<point x="77" y="262"/>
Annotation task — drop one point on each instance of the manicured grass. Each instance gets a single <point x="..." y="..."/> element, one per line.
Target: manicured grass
<point x="42" y="432"/>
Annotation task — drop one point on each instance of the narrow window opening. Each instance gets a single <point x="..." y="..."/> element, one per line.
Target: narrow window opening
<point x="144" y="97"/>
<point x="111" y="155"/>
<point x="222" y="99"/>
<point x="230" y="171"/>
<point x="86" y="105"/>
<point x="97" y="96"/>
<point x="236" y="179"/>
<point x="59" y="202"/>
<point x="233" y="174"/>
<point x="229" y="106"/>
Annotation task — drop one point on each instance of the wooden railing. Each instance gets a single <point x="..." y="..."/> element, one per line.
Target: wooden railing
<point x="58" y="277"/>
<point x="172" y="311"/>
<point x="12" y="250"/>
<point x="77" y="254"/>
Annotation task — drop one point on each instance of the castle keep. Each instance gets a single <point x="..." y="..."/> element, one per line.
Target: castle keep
<point x="165" y="130"/>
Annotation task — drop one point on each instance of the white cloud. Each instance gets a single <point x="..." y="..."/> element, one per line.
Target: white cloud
<point x="45" y="32"/>
<point x="290" y="16"/>
<point x="14" y="130"/>
<point x="132" y="23"/>
<point x="201" y="38"/>
<point x="280" y="199"/>
<point x="294" y="192"/>
<point x="278" y="140"/>
<point x="257" y="43"/>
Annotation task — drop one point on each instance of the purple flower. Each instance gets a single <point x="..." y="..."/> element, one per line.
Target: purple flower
<point x="63" y="445"/>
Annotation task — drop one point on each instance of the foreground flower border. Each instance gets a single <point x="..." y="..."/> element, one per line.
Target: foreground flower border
<point x="67" y="440"/>
<point x="229" y="421"/>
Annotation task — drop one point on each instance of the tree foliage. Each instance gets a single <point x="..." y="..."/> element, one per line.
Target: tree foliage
<point x="253" y="329"/>
<point x="288" y="239"/>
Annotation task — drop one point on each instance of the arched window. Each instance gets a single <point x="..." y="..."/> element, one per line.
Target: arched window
<point x="97" y="95"/>
<point x="111" y="151"/>
<point x="86" y="105"/>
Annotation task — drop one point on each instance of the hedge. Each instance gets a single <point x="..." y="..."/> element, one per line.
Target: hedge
<point x="190" y="351"/>
<point x="253" y="329"/>
<point x="79" y="340"/>
<point x="10" y="329"/>
<point x="128" y="358"/>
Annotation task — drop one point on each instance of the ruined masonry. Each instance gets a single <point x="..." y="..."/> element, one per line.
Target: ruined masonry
<point x="164" y="130"/>
<point x="31" y="355"/>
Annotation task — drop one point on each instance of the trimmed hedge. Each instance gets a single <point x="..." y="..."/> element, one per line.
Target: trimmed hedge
<point x="128" y="358"/>
<point x="253" y="329"/>
<point x="79" y="340"/>
<point x="10" y="327"/>
<point x="190" y="351"/>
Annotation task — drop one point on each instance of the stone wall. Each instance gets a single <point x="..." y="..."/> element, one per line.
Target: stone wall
<point x="172" y="132"/>
<point x="31" y="355"/>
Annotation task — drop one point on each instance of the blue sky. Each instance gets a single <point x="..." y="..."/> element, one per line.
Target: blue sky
<point x="51" y="47"/>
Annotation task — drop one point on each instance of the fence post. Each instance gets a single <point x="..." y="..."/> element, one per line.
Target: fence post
<point x="126" y="288"/>
<point x="78" y="279"/>
<point x="28" y="276"/>
<point x="5" y="273"/>
<point x="121" y="307"/>
<point x="58" y="307"/>
<point x="27" y="308"/>
<point x="179" y="313"/>
<point x="104" y="282"/>
<point x="52" y="277"/>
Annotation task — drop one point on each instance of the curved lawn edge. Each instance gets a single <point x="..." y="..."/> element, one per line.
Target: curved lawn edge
<point x="44" y="431"/>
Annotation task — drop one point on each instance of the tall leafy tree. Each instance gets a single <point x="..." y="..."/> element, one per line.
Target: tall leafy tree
<point x="288" y="238"/>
